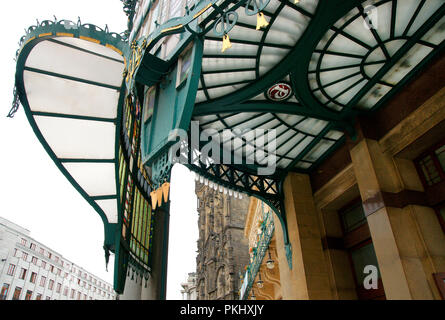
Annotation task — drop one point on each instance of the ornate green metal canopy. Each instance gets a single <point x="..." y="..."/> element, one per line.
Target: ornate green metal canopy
<point x="103" y="105"/>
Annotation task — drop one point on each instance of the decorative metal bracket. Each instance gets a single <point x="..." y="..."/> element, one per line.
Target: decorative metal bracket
<point x="269" y="189"/>
<point x="15" y="104"/>
<point x="225" y="23"/>
<point x="258" y="6"/>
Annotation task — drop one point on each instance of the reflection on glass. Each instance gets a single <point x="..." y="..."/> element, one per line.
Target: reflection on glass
<point x="186" y="61"/>
<point x="149" y="103"/>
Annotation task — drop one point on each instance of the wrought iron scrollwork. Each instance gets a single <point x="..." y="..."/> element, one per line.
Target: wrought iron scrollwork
<point x="225" y="23"/>
<point x="257" y="5"/>
<point x="15" y="104"/>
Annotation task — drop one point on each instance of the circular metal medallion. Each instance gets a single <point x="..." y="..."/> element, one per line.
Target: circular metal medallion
<point x="280" y="91"/>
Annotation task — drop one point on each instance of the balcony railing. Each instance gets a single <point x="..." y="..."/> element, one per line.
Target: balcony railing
<point x="267" y="230"/>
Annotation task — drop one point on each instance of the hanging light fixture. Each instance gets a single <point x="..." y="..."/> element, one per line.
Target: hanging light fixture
<point x="260" y="282"/>
<point x="226" y="43"/>
<point x="261" y="21"/>
<point x="270" y="263"/>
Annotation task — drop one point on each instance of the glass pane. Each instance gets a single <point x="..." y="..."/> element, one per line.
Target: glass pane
<point x="61" y="59"/>
<point x="429" y="170"/>
<point x="149" y="103"/>
<point x="97" y="179"/>
<point x="440" y="153"/>
<point x="57" y="95"/>
<point x="110" y="209"/>
<point x="78" y="139"/>
<point x="361" y="258"/>
<point x="186" y="62"/>
<point x="353" y="218"/>
<point x="442" y="213"/>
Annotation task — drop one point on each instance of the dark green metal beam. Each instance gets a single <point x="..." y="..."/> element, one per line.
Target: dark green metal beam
<point x="266" y="106"/>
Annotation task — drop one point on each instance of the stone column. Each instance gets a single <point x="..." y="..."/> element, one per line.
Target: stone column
<point x="308" y="278"/>
<point x="404" y="235"/>
<point x="132" y="289"/>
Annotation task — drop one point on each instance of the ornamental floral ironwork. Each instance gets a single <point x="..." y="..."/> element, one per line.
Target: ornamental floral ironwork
<point x="258" y="252"/>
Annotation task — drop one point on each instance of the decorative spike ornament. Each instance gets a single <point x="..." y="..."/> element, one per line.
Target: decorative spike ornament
<point x="154" y="199"/>
<point x="261" y="22"/>
<point x="165" y="189"/>
<point x="226" y="43"/>
<point x="159" y="196"/>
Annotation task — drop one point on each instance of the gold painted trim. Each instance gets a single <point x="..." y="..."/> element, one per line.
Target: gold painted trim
<point x="30" y="40"/>
<point x="45" y="34"/>
<point x="172" y="28"/>
<point x="114" y="48"/>
<point x="202" y="11"/>
<point x="64" y="34"/>
<point x="89" y="39"/>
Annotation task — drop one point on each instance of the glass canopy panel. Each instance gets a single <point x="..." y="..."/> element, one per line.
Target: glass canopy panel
<point x="318" y="150"/>
<point x="373" y="96"/>
<point x="57" y="58"/>
<point x="254" y="51"/>
<point x="351" y="54"/>
<point x="62" y="96"/>
<point x="89" y="46"/>
<point x="221" y="64"/>
<point x="227" y="78"/>
<point x="96" y="179"/>
<point x="109" y="206"/>
<point x="412" y="58"/>
<point x="212" y="47"/>
<point x="437" y="34"/>
<point x="78" y="139"/>
<point x="72" y="89"/>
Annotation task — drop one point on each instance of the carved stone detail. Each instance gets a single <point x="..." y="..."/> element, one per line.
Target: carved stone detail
<point x="222" y="249"/>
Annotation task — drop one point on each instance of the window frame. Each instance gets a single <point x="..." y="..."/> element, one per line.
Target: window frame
<point x="28" y="295"/>
<point x="430" y="152"/>
<point x="438" y="208"/>
<point x="355" y="239"/>
<point x="23" y="272"/>
<point x="17" y="293"/>
<point x="33" y="277"/>
<point x="5" y="290"/>
<point x="188" y="50"/>
<point x="11" y="270"/>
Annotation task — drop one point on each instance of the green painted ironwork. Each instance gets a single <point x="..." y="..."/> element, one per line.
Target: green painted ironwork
<point x="49" y="29"/>
<point x="134" y="184"/>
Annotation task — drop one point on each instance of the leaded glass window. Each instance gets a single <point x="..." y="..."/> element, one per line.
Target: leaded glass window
<point x="431" y="165"/>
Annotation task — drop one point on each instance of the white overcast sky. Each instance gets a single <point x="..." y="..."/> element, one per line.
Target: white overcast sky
<point x="35" y="194"/>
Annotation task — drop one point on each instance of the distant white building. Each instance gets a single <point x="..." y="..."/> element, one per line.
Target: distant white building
<point x="189" y="287"/>
<point x="31" y="271"/>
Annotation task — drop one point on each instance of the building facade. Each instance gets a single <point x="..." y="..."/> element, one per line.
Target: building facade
<point x="222" y="249"/>
<point x="32" y="271"/>
<point x="335" y="111"/>
<point x="261" y="280"/>
<point x="189" y="288"/>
